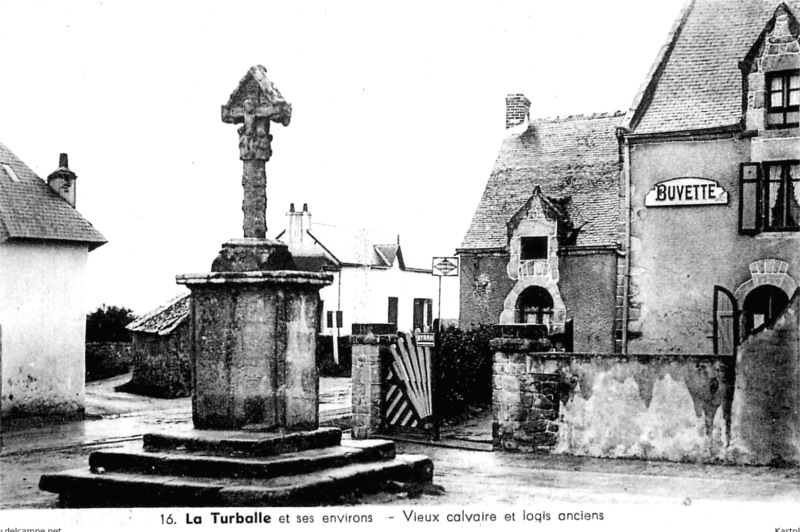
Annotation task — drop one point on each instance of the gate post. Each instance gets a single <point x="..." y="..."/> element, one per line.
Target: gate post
<point x="367" y="382"/>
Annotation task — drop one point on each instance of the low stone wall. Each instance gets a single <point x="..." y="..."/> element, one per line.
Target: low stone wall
<point x="672" y="407"/>
<point x="107" y="359"/>
<point x="162" y="366"/>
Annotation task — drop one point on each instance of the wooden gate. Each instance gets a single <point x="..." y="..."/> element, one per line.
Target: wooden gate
<point x="409" y="405"/>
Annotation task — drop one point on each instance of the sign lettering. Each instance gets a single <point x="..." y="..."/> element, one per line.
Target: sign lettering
<point x="686" y="191"/>
<point x="445" y="266"/>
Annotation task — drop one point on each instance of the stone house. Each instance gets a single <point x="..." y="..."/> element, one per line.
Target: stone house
<point x="372" y="282"/>
<point x="707" y="307"/>
<point x="544" y="242"/>
<point x="44" y="250"/>
<point x="161" y="350"/>
<point x="711" y="179"/>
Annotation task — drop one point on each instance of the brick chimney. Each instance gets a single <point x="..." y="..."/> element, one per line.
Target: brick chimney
<point x="63" y="180"/>
<point x="517" y="110"/>
<point x="297" y="237"/>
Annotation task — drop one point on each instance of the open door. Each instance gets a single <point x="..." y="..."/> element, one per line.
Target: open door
<point x="726" y="322"/>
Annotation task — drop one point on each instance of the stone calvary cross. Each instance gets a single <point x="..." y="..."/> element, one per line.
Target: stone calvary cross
<point x="255" y="103"/>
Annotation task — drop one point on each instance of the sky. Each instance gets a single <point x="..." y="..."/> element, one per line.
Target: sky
<point x="398" y="112"/>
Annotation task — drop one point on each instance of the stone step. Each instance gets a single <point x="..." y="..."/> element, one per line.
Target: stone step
<point x="188" y="463"/>
<point x="243" y="443"/>
<point x="84" y="488"/>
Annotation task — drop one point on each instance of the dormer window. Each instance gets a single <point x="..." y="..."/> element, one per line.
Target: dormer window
<point x="783" y="99"/>
<point x="533" y="248"/>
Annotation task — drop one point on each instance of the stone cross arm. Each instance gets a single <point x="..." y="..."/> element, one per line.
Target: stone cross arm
<point x="256" y="97"/>
<point x="280" y="112"/>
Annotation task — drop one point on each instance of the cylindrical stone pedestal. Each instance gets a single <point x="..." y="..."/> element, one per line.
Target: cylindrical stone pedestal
<point x="253" y="349"/>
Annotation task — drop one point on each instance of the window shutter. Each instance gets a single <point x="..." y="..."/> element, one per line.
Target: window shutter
<point x="749" y="198"/>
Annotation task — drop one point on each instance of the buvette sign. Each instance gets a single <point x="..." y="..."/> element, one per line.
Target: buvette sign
<point x="686" y="191"/>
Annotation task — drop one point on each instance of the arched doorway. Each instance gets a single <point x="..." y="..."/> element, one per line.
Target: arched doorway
<point x="761" y="305"/>
<point x="535" y="305"/>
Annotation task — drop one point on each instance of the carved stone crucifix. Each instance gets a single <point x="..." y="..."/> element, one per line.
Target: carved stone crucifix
<point x="255" y="103"/>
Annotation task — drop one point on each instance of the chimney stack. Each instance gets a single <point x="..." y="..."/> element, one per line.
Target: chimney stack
<point x="297" y="237"/>
<point x="62" y="181"/>
<point x="517" y="110"/>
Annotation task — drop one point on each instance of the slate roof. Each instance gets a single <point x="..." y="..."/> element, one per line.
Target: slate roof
<point x="575" y="157"/>
<point x="164" y="319"/>
<point x="31" y="210"/>
<point x="696" y="82"/>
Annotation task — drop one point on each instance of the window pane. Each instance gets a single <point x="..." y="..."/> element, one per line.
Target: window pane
<point x="774" y="205"/>
<point x="776" y="99"/>
<point x="774" y="119"/>
<point x="794" y="81"/>
<point x="775" y="172"/>
<point x="776" y="84"/>
<point x="793" y="117"/>
<point x="793" y="210"/>
<point x="749" y="203"/>
<point x="794" y="97"/>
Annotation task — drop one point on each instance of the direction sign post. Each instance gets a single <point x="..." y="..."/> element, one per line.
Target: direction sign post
<point x="444" y="267"/>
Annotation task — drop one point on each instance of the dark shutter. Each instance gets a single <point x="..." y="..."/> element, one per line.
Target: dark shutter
<point x="419" y="311"/>
<point x="392" y="310"/>
<point x="749" y="198"/>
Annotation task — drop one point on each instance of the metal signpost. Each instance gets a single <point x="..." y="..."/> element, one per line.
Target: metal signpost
<point x="444" y="267"/>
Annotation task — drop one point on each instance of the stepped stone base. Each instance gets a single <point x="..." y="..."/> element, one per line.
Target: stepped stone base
<point x="231" y="468"/>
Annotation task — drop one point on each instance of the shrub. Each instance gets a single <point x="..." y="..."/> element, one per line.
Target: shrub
<point x="107" y="324"/>
<point x="464" y="370"/>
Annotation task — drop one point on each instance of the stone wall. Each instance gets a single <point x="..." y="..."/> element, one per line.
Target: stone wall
<point x="107" y="359"/>
<point x="484" y="287"/>
<point x="766" y="419"/>
<point x="162" y="367"/>
<point x="644" y="406"/>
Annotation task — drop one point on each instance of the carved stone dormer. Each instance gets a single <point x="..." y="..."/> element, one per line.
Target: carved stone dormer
<point x="769" y="64"/>
<point x="535" y="233"/>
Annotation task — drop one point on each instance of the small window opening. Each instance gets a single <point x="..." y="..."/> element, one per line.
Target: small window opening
<point x="533" y="248"/>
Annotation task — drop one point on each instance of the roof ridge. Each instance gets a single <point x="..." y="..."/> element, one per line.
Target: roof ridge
<point x="568" y="118"/>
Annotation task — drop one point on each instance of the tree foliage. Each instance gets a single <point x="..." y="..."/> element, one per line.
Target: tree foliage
<point x="464" y="369"/>
<point x="107" y="324"/>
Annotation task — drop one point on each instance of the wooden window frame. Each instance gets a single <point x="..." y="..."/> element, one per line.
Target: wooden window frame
<point x="765" y="182"/>
<point x="784" y="109"/>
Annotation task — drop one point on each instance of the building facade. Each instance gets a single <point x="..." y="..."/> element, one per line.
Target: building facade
<point x="372" y="282"/>
<point x="543" y="246"/>
<point x="712" y="180"/>
<point x="44" y="248"/>
<point x="703" y="245"/>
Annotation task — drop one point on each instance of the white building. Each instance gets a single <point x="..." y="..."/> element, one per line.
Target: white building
<point x="372" y="282"/>
<point x="44" y="248"/>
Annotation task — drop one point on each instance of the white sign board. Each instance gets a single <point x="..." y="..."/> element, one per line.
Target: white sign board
<point x="686" y="191"/>
<point x="445" y="266"/>
<point x="425" y="339"/>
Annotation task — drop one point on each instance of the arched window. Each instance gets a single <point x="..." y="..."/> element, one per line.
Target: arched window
<point x="762" y="305"/>
<point x="535" y="305"/>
